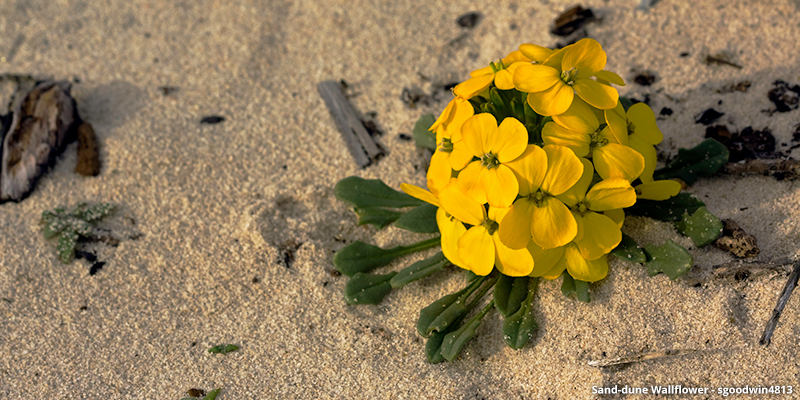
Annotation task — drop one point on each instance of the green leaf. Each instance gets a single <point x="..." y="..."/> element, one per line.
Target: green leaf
<point x="433" y="346"/>
<point x="671" y="209"/>
<point x="223" y="349"/>
<point x="702" y="226"/>
<point x="96" y="212"/>
<point x="455" y="341"/>
<point x="579" y="288"/>
<point x="626" y="102"/>
<point x="54" y="225"/>
<point x="440" y="315"/>
<point x="419" y="270"/>
<point x="380" y="217"/>
<point x="212" y="395"/>
<point x="702" y="160"/>
<point x="669" y="258"/>
<point x="422" y="136"/>
<point x="83" y="228"/>
<point x="518" y="328"/>
<point x="421" y="219"/>
<point x="368" y="193"/>
<point x="629" y="250"/>
<point x="66" y="244"/>
<point x="368" y="288"/>
<point x="361" y="257"/>
<point x="509" y="293"/>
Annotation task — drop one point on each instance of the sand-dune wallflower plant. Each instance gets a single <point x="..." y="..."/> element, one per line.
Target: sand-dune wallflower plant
<point x="536" y="162"/>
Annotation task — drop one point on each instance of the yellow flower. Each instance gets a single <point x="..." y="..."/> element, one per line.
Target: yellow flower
<point x="639" y="126"/>
<point x="489" y="179"/>
<point x="657" y="190"/>
<point x="579" y="129"/>
<point x="450" y="228"/>
<point x="597" y="234"/>
<point x="450" y="150"/>
<point x="480" y="248"/>
<point x="545" y="262"/>
<point x="500" y="72"/>
<point x="542" y="173"/>
<point x="552" y="86"/>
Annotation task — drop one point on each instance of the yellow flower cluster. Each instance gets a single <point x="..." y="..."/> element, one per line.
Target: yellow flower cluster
<point x="537" y="184"/>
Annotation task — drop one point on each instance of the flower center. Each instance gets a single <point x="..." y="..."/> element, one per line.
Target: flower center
<point x="497" y="66"/>
<point x="446" y="145"/>
<point x="581" y="208"/>
<point x="538" y="197"/>
<point x="631" y="128"/>
<point x="597" y="140"/>
<point x="490" y="226"/>
<point x="568" y="77"/>
<point x="490" y="161"/>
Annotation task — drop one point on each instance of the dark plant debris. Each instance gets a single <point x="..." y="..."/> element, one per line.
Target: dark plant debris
<point x="96" y="267"/>
<point x="778" y="168"/>
<point x="749" y="144"/>
<point x="196" y="392"/>
<point x="212" y="119"/>
<point x="357" y="138"/>
<point x="785" y="97"/>
<point x="469" y="20"/>
<point x="571" y="20"/>
<point x="735" y="87"/>
<point x="684" y="54"/>
<point x="88" y="151"/>
<point x="736" y="241"/>
<point x="288" y="249"/>
<point x="223" y="349"/>
<point x="168" y="90"/>
<point x="708" y="117"/>
<point x="721" y="59"/>
<point x="645" y="78"/>
<point x="666" y="111"/>
<point x="404" y="136"/>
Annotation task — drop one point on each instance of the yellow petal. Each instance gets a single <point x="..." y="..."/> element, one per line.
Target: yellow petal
<point x="460" y="156"/>
<point x="476" y="131"/>
<point x="564" y="169"/>
<point x="476" y="249"/>
<point x="553" y="224"/>
<point x="558" y="269"/>
<point x="553" y="101"/>
<point x="472" y="86"/>
<point x="544" y="260"/>
<point x="487" y="70"/>
<point x="658" y="190"/>
<point x="514" y="57"/>
<point x="579" y="117"/>
<point x="439" y="171"/>
<point x="497" y="214"/>
<point x="596" y="94"/>
<point x="577" y="192"/>
<point x="587" y="56"/>
<point x="535" y="78"/>
<point x="444" y="116"/>
<point x="617" y="123"/>
<point x="609" y="194"/>
<point x="529" y="168"/>
<point x="504" y="79"/>
<point x="582" y="269"/>
<point x="509" y="140"/>
<point x="515" y="230"/>
<point x="471" y="182"/>
<point x="600" y="235"/>
<point x="535" y="52"/>
<point x="648" y="152"/>
<point x="644" y="123"/>
<point x="419" y="193"/>
<point x="451" y="230"/>
<point x="609" y="77"/>
<point x="555" y="59"/>
<point x="617" y="161"/>
<point x="462" y="110"/>
<point x="578" y="142"/>
<point x="512" y="262"/>
<point x="618" y="216"/>
<point x="501" y="186"/>
<point x="457" y="204"/>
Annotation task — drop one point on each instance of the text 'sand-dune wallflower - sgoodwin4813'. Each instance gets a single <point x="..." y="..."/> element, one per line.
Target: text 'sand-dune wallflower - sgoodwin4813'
<point x="534" y="163"/>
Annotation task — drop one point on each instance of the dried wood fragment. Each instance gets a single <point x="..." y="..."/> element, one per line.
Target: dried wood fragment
<point x="791" y="283"/>
<point x="359" y="142"/>
<point x="735" y="240"/>
<point x="777" y="168"/>
<point x="608" y="362"/>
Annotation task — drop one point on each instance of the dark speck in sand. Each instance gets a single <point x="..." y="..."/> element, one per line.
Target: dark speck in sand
<point x="666" y="111"/>
<point x="708" y="116"/>
<point x="469" y="20"/>
<point x="212" y="119"/>
<point x="404" y="136"/>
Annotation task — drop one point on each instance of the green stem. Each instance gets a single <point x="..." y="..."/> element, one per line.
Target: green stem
<point x="419" y="246"/>
<point x="483" y="291"/>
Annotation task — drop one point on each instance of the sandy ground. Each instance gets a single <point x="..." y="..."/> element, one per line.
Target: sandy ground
<point x="214" y="207"/>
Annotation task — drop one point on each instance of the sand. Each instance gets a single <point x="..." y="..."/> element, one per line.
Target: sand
<point x="205" y="209"/>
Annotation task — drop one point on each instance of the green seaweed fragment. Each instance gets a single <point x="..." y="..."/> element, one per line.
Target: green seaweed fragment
<point x="70" y="225"/>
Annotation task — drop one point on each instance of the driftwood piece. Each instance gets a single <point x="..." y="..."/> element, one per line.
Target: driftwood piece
<point x="608" y="362"/>
<point x="39" y="120"/>
<point x="88" y="151"/>
<point x="791" y="283"/>
<point x="777" y="168"/>
<point x="735" y="240"/>
<point x="359" y="142"/>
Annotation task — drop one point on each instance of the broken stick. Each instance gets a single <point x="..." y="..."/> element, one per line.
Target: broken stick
<point x="608" y="362"/>
<point x="782" y="299"/>
<point x="359" y="142"/>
